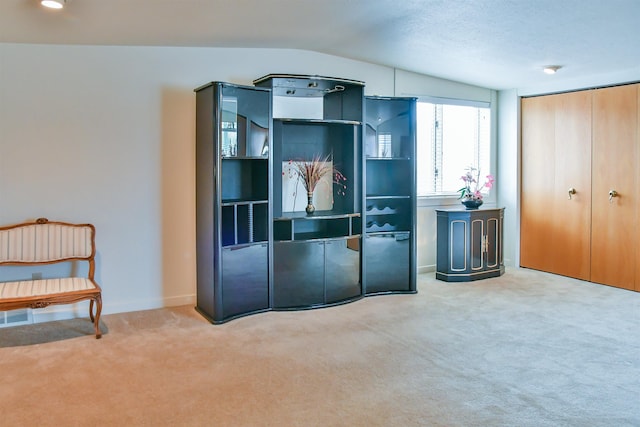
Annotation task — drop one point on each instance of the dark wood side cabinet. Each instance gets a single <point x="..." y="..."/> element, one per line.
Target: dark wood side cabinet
<point x="233" y="187"/>
<point x="469" y="244"/>
<point x="390" y="199"/>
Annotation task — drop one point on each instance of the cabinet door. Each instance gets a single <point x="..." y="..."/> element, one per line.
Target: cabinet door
<point x="571" y="226"/>
<point x="638" y="199"/>
<point x="556" y="157"/>
<point x="538" y="148"/>
<point x="298" y="274"/>
<point x="476" y="243"/>
<point x="493" y="243"/>
<point x="342" y="269"/>
<point x="245" y="286"/>
<point x="459" y="249"/>
<point x="615" y="154"/>
<point x="453" y="246"/>
<point x="486" y="241"/>
<point x="388" y="262"/>
<point x="637" y="248"/>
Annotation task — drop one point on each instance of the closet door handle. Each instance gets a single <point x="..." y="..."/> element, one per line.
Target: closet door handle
<point x="572" y="191"/>
<point x="612" y="194"/>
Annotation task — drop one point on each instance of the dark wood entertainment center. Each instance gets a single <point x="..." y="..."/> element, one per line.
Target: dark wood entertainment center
<point x="257" y="249"/>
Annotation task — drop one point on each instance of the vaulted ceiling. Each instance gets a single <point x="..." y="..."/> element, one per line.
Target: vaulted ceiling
<point x="499" y="44"/>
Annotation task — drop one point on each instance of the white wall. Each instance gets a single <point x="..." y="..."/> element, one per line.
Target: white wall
<point x="509" y="172"/>
<point x="412" y="84"/>
<point x="106" y="135"/>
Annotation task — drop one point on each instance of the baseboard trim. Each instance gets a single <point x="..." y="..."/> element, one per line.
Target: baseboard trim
<point x="426" y="269"/>
<point x="81" y="309"/>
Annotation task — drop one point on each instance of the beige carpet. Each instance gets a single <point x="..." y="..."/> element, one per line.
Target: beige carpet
<point x="525" y="349"/>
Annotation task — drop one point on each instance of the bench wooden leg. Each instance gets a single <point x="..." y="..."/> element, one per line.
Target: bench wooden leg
<point x="96" y="319"/>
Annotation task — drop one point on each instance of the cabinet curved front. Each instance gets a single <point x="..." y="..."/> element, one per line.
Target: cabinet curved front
<point x="314" y="273"/>
<point x="388" y="262"/>
<point x="245" y="290"/>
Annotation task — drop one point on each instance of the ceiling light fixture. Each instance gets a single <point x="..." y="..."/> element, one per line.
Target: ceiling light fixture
<point x="551" y="69"/>
<point x="53" y="4"/>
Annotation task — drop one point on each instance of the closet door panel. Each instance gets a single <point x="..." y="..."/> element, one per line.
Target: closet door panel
<point x="538" y="146"/>
<point x="570" y="236"/>
<point x="615" y="154"/>
<point x="637" y="278"/>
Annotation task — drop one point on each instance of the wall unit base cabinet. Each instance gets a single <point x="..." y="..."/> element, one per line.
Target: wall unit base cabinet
<point x="469" y="244"/>
<point x="298" y="274"/>
<point x="315" y="273"/>
<point x="232" y="200"/>
<point x="238" y="291"/>
<point x="390" y="195"/>
<point x="342" y="270"/>
<point x="245" y="290"/>
<point x="388" y="263"/>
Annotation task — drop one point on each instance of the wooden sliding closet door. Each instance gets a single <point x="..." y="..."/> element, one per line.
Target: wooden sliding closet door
<point x="615" y="169"/>
<point x="572" y="247"/>
<point x="538" y="142"/>
<point x="556" y="184"/>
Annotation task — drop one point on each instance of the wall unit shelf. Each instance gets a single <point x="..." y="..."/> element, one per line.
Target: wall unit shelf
<point x="244" y="222"/>
<point x="390" y="196"/>
<point x="317" y="226"/>
<point x="388" y="213"/>
<point x="233" y="214"/>
<point x="317" y="258"/>
<point x="390" y="177"/>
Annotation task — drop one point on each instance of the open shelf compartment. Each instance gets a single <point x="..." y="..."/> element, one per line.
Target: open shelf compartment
<point x="244" y="222"/>
<point x="318" y="226"/>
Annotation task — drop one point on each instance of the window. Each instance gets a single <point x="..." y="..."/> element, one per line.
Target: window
<point x="384" y="144"/>
<point x="451" y="137"/>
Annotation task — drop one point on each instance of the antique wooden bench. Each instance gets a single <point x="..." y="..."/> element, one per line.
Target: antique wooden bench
<point x="49" y="242"/>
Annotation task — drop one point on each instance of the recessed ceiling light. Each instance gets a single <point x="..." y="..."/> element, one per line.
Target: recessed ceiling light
<point x="53" y="4"/>
<point x="551" y="69"/>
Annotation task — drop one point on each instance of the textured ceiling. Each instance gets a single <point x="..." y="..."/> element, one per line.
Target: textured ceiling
<point x="500" y="44"/>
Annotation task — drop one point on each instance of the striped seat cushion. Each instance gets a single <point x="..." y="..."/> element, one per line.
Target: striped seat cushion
<point x="43" y="287"/>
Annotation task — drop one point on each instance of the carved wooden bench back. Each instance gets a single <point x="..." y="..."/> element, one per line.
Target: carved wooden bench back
<point x="46" y="242"/>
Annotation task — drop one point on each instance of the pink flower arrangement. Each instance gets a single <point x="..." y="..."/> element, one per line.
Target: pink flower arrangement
<point x="472" y="188"/>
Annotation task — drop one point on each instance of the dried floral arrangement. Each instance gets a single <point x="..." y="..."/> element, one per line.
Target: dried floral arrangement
<point x="311" y="173"/>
